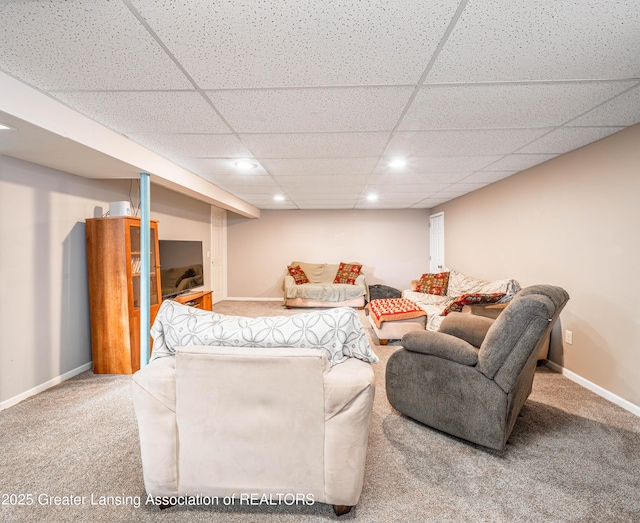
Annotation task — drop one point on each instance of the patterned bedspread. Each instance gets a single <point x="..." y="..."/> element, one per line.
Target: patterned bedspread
<point x="393" y="309"/>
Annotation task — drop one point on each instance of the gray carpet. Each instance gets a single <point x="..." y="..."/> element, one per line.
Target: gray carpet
<point x="572" y="456"/>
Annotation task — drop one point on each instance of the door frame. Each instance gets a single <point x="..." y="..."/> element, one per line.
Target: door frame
<point x="218" y="259"/>
<point x="436" y="242"/>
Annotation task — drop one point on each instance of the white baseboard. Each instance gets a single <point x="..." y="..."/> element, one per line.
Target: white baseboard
<point x="253" y="299"/>
<point x="610" y="396"/>
<point x="46" y="385"/>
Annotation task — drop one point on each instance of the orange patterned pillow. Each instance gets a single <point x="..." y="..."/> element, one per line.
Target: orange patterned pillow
<point x="472" y="299"/>
<point x="434" y="284"/>
<point x="298" y="275"/>
<point x="347" y="273"/>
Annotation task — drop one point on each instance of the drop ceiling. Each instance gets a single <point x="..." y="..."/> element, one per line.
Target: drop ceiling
<point x="322" y="95"/>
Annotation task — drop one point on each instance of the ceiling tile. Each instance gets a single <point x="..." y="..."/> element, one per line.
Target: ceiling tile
<point x="428" y="203"/>
<point x="396" y="204"/>
<point x="312" y="110"/>
<point x="541" y="40"/>
<point x="83" y="44"/>
<point x="435" y="164"/>
<point x="323" y="206"/>
<point x="415" y="178"/>
<point x="622" y="110"/>
<point x="488" y="177"/>
<point x="385" y="185"/>
<point x="467" y="186"/>
<point x="324" y="192"/>
<point x="316" y="145"/>
<point x="342" y="199"/>
<point x="520" y="105"/>
<point x="461" y="142"/>
<point x="275" y="206"/>
<point x="147" y="111"/>
<point x="409" y="192"/>
<point x="244" y="181"/>
<point x="450" y="194"/>
<point x="219" y="166"/>
<point x="320" y="166"/>
<point x="343" y="42"/>
<point x="182" y="145"/>
<point x="565" y="139"/>
<point x="321" y="180"/>
<point x="519" y="162"/>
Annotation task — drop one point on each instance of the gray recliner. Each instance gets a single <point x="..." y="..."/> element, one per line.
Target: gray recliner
<point x="475" y="394"/>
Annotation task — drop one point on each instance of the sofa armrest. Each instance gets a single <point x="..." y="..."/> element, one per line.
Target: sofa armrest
<point x="288" y="287"/>
<point x="154" y="398"/>
<point x="441" y="345"/>
<point x="349" y="389"/>
<point x="362" y="280"/>
<point x="288" y="281"/>
<point x="467" y="327"/>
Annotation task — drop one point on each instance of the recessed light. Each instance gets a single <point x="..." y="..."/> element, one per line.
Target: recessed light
<point x="372" y="197"/>
<point x="5" y="127"/>
<point x="398" y="162"/>
<point x="278" y="198"/>
<point x="245" y="165"/>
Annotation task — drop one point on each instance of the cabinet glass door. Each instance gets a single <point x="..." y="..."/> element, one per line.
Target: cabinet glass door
<point x="134" y="235"/>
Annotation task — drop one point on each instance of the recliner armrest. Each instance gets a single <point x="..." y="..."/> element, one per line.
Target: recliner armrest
<point x="441" y="345"/>
<point x="468" y="327"/>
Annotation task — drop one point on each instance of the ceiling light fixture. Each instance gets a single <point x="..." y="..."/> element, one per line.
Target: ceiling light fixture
<point x="5" y="127"/>
<point x="245" y="165"/>
<point x="372" y="197"/>
<point x="278" y="198"/>
<point x="398" y="162"/>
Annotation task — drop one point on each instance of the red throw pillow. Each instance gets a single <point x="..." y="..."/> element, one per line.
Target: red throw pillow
<point x="436" y="284"/>
<point x="472" y="299"/>
<point x="347" y="273"/>
<point x="298" y="275"/>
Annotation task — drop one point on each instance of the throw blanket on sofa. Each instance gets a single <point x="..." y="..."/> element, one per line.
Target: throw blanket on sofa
<point x="337" y="331"/>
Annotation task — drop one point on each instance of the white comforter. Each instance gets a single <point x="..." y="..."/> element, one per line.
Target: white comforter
<point x="332" y="292"/>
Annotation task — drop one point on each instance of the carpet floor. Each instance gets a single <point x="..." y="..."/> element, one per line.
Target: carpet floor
<point x="71" y="453"/>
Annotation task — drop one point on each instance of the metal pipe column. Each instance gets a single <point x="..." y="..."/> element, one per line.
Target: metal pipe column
<point x="145" y="270"/>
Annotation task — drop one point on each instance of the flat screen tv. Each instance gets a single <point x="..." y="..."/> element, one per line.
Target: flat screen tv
<point x="181" y="266"/>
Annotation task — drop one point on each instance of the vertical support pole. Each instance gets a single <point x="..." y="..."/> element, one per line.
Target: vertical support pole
<point x="145" y="255"/>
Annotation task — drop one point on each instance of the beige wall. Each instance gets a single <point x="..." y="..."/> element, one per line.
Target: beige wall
<point x="393" y="246"/>
<point x="574" y="222"/>
<point x="44" y="317"/>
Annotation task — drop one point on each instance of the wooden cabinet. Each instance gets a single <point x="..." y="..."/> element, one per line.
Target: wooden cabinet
<point x="113" y="258"/>
<point x="199" y="300"/>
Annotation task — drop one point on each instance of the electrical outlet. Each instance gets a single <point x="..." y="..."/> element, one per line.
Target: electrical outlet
<point x="568" y="337"/>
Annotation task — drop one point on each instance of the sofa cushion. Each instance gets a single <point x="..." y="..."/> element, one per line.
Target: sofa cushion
<point x="347" y="273"/>
<point x="338" y="331"/>
<point x="436" y="284"/>
<point x="298" y="274"/>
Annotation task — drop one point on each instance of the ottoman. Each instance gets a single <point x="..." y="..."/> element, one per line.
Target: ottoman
<point x="391" y="319"/>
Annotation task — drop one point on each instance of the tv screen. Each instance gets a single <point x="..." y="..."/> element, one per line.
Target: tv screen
<point x="181" y="266"/>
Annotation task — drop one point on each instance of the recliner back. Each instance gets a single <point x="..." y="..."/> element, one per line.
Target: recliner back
<point x="517" y="333"/>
